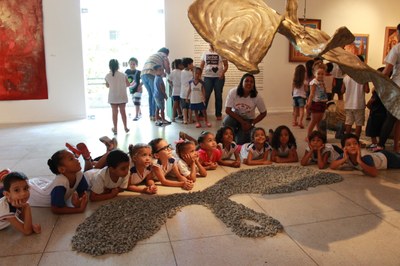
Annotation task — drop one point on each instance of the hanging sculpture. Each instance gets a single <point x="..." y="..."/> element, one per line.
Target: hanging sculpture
<point x="243" y="31"/>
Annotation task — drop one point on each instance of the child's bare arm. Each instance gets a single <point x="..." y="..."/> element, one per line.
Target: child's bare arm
<point x="108" y="194"/>
<point x="306" y="157"/>
<point x="25" y="225"/>
<point x="322" y="160"/>
<point x="79" y="205"/>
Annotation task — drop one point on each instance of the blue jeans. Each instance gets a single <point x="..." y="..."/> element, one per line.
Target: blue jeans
<point x="217" y="85"/>
<point x="148" y="81"/>
<point x="241" y="136"/>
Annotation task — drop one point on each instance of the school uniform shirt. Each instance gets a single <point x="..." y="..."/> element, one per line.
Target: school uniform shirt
<point x="184" y="168"/>
<point x="228" y="151"/>
<point x="99" y="180"/>
<point x="7" y="211"/>
<point x="56" y="192"/>
<point x="186" y="76"/>
<point x="175" y="78"/>
<point x="167" y="168"/>
<point x="284" y="152"/>
<point x="333" y="154"/>
<point x="244" y="106"/>
<point x="257" y="154"/>
<point x="117" y="88"/>
<point x="135" y="177"/>
<point x="196" y="92"/>
<point x="349" y="165"/>
<point x="354" y="97"/>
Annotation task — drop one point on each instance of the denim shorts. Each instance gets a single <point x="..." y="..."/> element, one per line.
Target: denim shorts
<point x="160" y="103"/>
<point x="299" y="101"/>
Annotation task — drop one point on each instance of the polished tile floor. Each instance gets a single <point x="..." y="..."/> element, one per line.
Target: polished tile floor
<point x="355" y="222"/>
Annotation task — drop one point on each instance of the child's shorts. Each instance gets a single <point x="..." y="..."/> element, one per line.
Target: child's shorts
<point x="299" y="101"/>
<point x="355" y="116"/>
<point x="185" y="104"/>
<point x="176" y="98"/>
<point x="160" y="103"/>
<point x="318" y="107"/>
<point x="136" y="98"/>
<point x="197" y="106"/>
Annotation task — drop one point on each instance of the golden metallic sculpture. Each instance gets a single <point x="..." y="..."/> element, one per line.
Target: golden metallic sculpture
<point x="243" y="30"/>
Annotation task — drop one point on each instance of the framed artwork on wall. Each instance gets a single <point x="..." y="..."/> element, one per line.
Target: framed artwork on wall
<point x="296" y="56"/>
<point x="390" y="41"/>
<point x="359" y="46"/>
<point x="22" y="60"/>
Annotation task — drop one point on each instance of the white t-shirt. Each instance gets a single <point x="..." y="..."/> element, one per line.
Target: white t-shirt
<point x="118" y="92"/>
<point x="213" y="64"/>
<point x="186" y="76"/>
<point x="175" y="78"/>
<point x="99" y="179"/>
<point x="300" y="92"/>
<point x="354" y="97"/>
<point x="393" y="58"/>
<point x="244" y="106"/>
<point x="7" y="211"/>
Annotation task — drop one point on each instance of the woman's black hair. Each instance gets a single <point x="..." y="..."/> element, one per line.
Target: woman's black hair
<point x="55" y="161"/>
<point x="164" y="50"/>
<point x="276" y="143"/>
<point x="240" y="90"/>
<point x="114" y="66"/>
<point x="220" y="133"/>
<point x="11" y="178"/>
<point x="115" y="157"/>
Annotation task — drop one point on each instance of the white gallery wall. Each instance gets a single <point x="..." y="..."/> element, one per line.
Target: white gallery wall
<point x="64" y="64"/>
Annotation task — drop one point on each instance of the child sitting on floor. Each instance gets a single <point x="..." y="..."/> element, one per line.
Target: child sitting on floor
<point x="107" y="182"/>
<point x="257" y="151"/>
<point x="66" y="193"/>
<point x="369" y="163"/>
<point x="284" y="148"/>
<point x="228" y="147"/>
<point x="164" y="164"/>
<point x="14" y="207"/>
<point x="188" y="163"/>
<point x="320" y="152"/>
<point x="209" y="155"/>
<point x="140" y="179"/>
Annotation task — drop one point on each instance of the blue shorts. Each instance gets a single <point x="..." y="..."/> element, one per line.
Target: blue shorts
<point x="299" y="101"/>
<point x="160" y="103"/>
<point x="184" y="104"/>
<point x="176" y="98"/>
<point x="197" y="106"/>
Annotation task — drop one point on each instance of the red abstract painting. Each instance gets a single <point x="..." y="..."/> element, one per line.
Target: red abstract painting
<point x="22" y="61"/>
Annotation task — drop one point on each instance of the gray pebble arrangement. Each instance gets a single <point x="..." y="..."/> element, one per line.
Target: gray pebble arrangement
<point x="117" y="226"/>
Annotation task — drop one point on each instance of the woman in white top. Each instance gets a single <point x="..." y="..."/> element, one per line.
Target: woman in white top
<point x="240" y="107"/>
<point x="117" y="82"/>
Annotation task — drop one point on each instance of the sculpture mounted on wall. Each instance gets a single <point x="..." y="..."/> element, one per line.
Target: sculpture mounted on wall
<point x="243" y="31"/>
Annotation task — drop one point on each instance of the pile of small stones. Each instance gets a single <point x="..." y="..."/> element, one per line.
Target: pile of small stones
<point x="117" y="226"/>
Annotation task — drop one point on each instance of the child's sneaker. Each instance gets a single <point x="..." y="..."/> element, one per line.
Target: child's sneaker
<point x="3" y="174"/>
<point x="159" y="123"/>
<point x="84" y="150"/>
<point x="74" y="150"/>
<point x="166" y="122"/>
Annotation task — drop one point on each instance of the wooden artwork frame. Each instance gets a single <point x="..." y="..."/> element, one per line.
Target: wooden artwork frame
<point x="390" y="41"/>
<point x="359" y="46"/>
<point x="296" y="56"/>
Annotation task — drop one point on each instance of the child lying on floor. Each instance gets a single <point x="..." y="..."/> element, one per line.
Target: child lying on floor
<point x="368" y="164"/>
<point x="14" y="207"/>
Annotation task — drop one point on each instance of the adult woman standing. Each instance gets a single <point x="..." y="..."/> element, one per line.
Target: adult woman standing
<point x="148" y="75"/>
<point x="240" y="107"/>
<point x="214" y="67"/>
